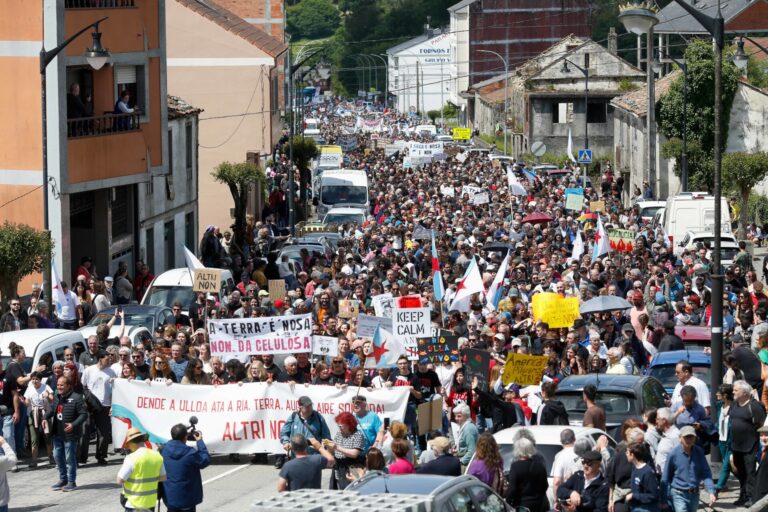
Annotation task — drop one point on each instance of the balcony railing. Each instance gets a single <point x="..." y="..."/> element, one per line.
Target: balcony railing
<point x="98" y="4"/>
<point x="108" y="124"/>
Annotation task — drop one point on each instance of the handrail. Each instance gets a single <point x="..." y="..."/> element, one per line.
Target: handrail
<point x="106" y="124"/>
<point x="98" y="4"/>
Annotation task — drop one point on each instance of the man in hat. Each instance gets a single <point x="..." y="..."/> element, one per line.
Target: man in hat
<point x="368" y="422"/>
<point x="66" y="415"/>
<point x="585" y="490"/>
<point x="685" y="469"/>
<point x="307" y="422"/>
<point x="140" y="474"/>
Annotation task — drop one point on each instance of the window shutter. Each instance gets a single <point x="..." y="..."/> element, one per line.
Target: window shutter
<point x="125" y="74"/>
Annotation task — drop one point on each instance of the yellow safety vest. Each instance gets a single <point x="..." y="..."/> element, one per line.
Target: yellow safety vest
<point x="140" y="488"/>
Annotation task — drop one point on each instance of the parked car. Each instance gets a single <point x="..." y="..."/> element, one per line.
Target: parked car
<point x="462" y="493"/>
<point x="663" y="365"/>
<point x="41" y="346"/>
<point x="729" y="247"/>
<point x="343" y="215"/>
<point x="648" y="209"/>
<point x="140" y="321"/>
<point x="547" y="444"/>
<point x="621" y="396"/>
<point x="331" y="238"/>
<point x="176" y="285"/>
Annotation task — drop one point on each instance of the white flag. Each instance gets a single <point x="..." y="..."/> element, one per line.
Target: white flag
<point x="57" y="291"/>
<point x="578" y="248"/>
<point x="192" y="261"/>
<point x="515" y="186"/>
<point x="570" y="146"/>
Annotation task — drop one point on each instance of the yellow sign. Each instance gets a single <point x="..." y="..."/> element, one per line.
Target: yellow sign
<point x="462" y="133"/>
<point x="597" y="206"/>
<point x="555" y="310"/>
<point x="207" y="280"/>
<point x="523" y="369"/>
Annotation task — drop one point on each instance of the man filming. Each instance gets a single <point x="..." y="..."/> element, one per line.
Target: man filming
<point x="183" y="488"/>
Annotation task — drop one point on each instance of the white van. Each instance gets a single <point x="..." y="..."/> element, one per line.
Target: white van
<point x="343" y="215"/>
<point x="426" y="129"/>
<point x="41" y="346"/>
<point x="343" y="187"/>
<point x="693" y="211"/>
<point x="311" y="127"/>
<point x="176" y="285"/>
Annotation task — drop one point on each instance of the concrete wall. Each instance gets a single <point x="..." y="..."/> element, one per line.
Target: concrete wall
<point x="555" y="135"/>
<point x="433" y="57"/>
<point x="459" y="29"/>
<point x="748" y="126"/>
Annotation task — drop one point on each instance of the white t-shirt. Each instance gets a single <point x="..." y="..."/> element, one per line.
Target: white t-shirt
<point x="67" y="309"/>
<point x="36" y="396"/>
<point x="127" y="468"/>
<point x="100" y="383"/>
<point x="702" y="392"/>
<point x="566" y="463"/>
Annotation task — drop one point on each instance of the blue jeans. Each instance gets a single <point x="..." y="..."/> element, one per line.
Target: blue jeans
<point x="65" y="453"/>
<point x="684" y="501"/>
<point x="9" y="430"/>
<point x="20" y="428"/>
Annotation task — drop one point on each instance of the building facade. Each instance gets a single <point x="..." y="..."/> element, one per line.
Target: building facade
<point x="96" y="160"/>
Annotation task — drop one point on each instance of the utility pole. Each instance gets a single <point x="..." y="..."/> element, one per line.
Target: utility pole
<point x="418" y="106"/>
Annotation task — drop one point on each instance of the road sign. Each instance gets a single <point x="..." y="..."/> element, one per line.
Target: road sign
<point x="462" y="133"/>
<point x="538" y="148"/>
<point x="585" y="156"/>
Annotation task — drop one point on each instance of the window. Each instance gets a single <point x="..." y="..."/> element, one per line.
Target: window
<point x="121" y="212"/>
<point x="273" y="101"/>
<point x="150" y="248"/>
<point x="131" y="79"/>
<point x="170" y="151"/>
<point x="170" y="244"/>
<point x="597" y="112"/>
<point x="486" y="500"/>
<point x="83" y="77"/>
<point x="190" y="148"/>
<point x="461" y="502"/>
<point x="189" y="230"/>
<point x="560" y="112"/>
<point x="81" y="210"/>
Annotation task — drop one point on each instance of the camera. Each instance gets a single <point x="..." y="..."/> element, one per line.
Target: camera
<point x="192" y="428"/>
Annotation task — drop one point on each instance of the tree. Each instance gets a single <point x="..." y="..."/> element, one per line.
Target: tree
<point x="23" y="251"/>
<point x="304" y="150"/>
<point x="741" y="172"/>
<point x="239" y="177"/>
<point x="312" y="19"/>
<point x="699" y="109"/>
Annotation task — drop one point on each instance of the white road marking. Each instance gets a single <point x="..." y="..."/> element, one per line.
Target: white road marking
<point x="226" y="473"/>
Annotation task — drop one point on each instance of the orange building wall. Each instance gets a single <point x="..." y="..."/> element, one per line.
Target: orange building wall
<point x="752" y="18"/>
<point x="122" y="32"/>
<point x="20" y="140"/>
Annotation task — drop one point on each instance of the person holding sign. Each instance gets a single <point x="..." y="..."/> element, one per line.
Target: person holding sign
<point x="307" y="422"/>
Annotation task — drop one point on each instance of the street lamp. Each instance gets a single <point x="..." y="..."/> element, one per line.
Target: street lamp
<point x="638" y="18"/>
<point x="506" y="89"/>
<point x="96" y="56"/>
<point x="386" y="78"/>
<point x="566" y="69"/>
<point x="741" y="59"/>
<point x="657" y="66"/>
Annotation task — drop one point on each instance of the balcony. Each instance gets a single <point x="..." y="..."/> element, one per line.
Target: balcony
<point x="108" y="124"/>
<point x="98" y="4"/>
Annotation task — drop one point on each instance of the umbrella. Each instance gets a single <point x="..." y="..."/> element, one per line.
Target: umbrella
<point x="536" y="218"/>
<point x="587" y="216"/>
<point x="604" y="303"/>
<point x="497" y="246"/>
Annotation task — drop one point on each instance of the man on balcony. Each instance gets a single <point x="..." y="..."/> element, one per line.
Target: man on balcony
<point x="122" y="107"/>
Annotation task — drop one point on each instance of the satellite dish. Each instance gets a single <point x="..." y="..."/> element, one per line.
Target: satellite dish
<point x="538" y="148"/>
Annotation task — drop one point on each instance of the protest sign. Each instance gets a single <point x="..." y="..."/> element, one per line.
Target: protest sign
<point x="410" y="324"/>
<point x="597" y="206"/>
<point x="574" y="202"/>
<point x="441" y="347"/>
<point x="555" y="310"/>
<point x="447" y="191"/>
<point x="237" y="338"/>
<point x="430" y="415"/>
<point x="383" y="305"/>
<point x="621" y="240"/>
<point x="408" y="302"/>
<point x="462" y="133"/>
<point x="471" y="191"/>
<point x="407" y="162"/>
<point x="481" y="198"/>
<point x="523" y="369"/>
<point x="276" y="289"/>
<point x="207" y="280"/>
<point x="237" y="419"/>
<point x="477" y="364"/>
<point x="424" y="149"/>
<point x="349" y="308"/>
<point x="325" y="346"/>
<point x="366" y="325"/>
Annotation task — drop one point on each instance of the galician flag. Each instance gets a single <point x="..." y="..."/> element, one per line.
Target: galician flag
<point x="497" y="286"/>
<point x="437" y="276"/>
<point x="471" y="283"/>
<point x="385" y="350"/>
<point x="601" y="241"/>
<point x="578" y="247"/>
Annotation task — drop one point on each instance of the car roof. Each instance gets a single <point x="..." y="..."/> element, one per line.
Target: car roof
<point x="413" y="483"/>
<point x="646" y="204"/>
<point x="346" y="210"/>
<point x="135" y="309"/>
<point x="693" y="332"/>
<point x="544" y="434"/>
<point x="31" y="338"/>
<point x="182" y="277"/>
<point x="697" y="357"/>
<point x="621" y="383"/>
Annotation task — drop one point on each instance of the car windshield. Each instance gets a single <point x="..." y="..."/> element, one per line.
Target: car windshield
<point x="728" y="253"/>
<point x="343" y="218"/>
<point x="548" y="451"/>
<point x="167" y="295"/>
<point x="666" y="374"/>
<point x="344" y="194"/>
<point x="613" y="403"/>
<point x="138" y="320"/>
<point x="650" y="211"/>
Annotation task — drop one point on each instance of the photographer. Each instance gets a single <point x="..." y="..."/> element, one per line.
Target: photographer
<point x="183" y="489"/>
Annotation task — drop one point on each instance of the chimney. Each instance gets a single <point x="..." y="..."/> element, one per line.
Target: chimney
<point x="613" y="44"/>
<point x="428" y="31"/>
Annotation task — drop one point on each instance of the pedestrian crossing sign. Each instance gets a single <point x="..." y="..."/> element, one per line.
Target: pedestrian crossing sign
<point x="585" y="156"/>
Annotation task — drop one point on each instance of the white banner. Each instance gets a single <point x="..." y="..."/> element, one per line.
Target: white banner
<point x="237" y="338"/>
<point x="447" y="191"/>
<point x="470" y="191"/>
<point x="383" y="304"/>
<point x="424" y="149"/>
<point x="236" y="418"/>
<point x="325" y="346"/>
<point x="481" y="198"/>
<point x="411" y="323"/>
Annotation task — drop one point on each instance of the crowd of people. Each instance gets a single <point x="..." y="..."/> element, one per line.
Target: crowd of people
<point x="659" y="460"/>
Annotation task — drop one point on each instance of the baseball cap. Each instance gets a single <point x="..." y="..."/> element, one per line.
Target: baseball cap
<point x="263" y="293"/>
<point x="517" y="342"/>
<point x="279" y="303"/>
<point x="627" y="328"/>
<point x="687" y="431"/>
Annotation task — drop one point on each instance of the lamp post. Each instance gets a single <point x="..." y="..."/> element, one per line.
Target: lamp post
<point x="386" y="88"/>
<point x="96" y="56"/>
<point x="640" y="18"/>
<point x="585" y="72"/>
<point x="741" y="59"/>
<point x="657" y="66"/>
<point x="506" y="89"/>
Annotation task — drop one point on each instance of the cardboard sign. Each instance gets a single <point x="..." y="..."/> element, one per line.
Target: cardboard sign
<point x="439" y="348"/>
<point x="276" y="289"/>
<point x="383" y="305"/>
<point x="349" y="308"/>
<point x="555" y="310"/>
<point x="325" y="346"/>
<point x="622" y="240"/>
<point x="481" y="198"/>
<point x="410" y="324"/>
<point x="471" y="191"/>
<point x="597" y="206"/>
<point x="574" y="202"/>
<point x="447" y="191"/>
<point x="477" y="364"/>
<point x="207" y="280"/>
<point x="523" y="369"/>
<point x="430" y="415"/>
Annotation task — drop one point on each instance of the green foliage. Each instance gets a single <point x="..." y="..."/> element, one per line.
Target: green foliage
<point x="700" y="108"/>
<point x="23" y="251"/>
<point x="757" y="209"/>
<point x="700" y="163"/>
<point x="757" y="72"/>
<point x="433" y="114"/>
<point x="239" y="177"/>
<point x="304" y="150"/>
<point x="741" y="172"/>
<point x="312" y="19"/>
<point x="627" y="85"/>
<point x="450" y="110"/>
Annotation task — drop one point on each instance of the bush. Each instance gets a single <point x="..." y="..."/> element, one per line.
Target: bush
<point x="312" y="19"/>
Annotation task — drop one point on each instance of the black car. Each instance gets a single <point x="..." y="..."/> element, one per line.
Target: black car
<point x="621" y="396"/>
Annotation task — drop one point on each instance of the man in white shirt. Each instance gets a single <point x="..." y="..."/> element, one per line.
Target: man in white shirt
<point x="685" y="377"/>
<point x="68" y="308"/>
<point x="98" y="380"/>
<point x="566" y="461"/>
<point x="670" y="436"/>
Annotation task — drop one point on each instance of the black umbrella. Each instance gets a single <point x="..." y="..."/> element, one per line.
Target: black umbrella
<point x="498" y="246"/>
